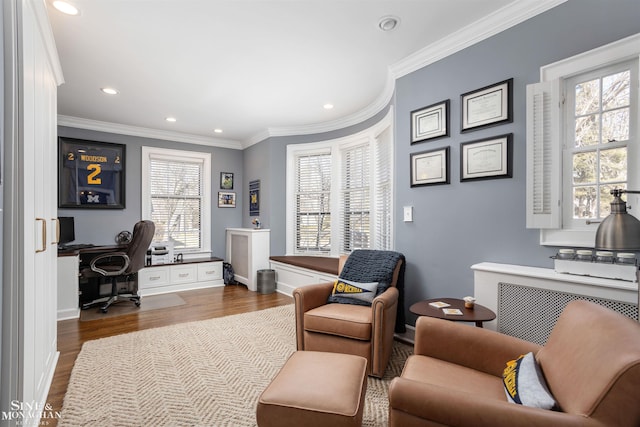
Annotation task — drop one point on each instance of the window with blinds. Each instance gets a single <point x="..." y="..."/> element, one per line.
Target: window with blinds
<point x="339" y="193"/>
<point x="312" y="203"/>
<point x="175" y="197"/>
<point x="355" y="227"/>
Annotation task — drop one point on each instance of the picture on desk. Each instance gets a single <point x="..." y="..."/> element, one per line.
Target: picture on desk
<point x="91" y="174"/>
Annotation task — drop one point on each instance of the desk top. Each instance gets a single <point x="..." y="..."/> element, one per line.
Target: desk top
<point x="90" y="249"/>
<point x="477" y="314"/>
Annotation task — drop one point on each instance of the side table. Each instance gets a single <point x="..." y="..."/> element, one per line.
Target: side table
<point x="478" y="314"/>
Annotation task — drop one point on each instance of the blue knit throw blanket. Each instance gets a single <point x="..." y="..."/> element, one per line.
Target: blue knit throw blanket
<point x="366" y="265"/>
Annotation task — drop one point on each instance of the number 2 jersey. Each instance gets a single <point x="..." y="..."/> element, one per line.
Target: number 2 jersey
<point x="93" y="175"/>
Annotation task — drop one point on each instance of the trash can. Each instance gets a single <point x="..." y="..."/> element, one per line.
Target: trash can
<point x="266" y="281"/>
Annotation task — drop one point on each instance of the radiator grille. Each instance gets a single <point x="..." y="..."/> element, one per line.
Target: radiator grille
<point x="530" y="313"/>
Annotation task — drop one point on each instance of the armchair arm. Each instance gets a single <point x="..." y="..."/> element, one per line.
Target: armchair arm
<point x="307" y="298"/>
<point x="124" y="258"/>
<point x="452" y="407"/>
<point x="480" y="349"/>
<point x="384" y="308"/>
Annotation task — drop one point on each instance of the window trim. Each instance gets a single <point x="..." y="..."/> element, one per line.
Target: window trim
<point x="619" y="51"/>
<point x="205" y="214"/>
<point x="336" y="146"/>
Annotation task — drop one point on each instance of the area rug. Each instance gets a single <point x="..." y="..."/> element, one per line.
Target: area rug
<point x="152" y="302"/>
<point x="206" y="373"/>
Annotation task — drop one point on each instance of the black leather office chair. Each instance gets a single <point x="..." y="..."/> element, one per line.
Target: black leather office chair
<point x="122" y="264"/>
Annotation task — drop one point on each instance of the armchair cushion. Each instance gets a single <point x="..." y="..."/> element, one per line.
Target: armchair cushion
<point x="338" y="319"/>
<point x="524" y="383"/>
<point x="350" y="292"/>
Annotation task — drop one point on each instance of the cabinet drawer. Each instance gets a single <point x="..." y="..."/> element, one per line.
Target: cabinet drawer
<point x="183" y="274"/>
<point x="153" y="277"/>
<point x="209" y="271"/>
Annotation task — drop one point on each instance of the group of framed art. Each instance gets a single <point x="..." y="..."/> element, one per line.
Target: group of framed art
<point x="486" y="158"/>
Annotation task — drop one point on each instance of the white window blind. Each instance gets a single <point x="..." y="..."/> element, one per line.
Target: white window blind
<point x="176" y="197"/>
<point x="355" y="219"/>
<point x="382" y="189"/>
<point x="312" y="203"/>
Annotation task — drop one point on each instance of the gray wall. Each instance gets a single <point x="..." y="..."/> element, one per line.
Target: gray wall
<point x="461" y="224"/>
<point x="458" y="225"/>
<point x="101" y="226"/>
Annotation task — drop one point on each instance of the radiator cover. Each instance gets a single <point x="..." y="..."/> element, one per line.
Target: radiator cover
<point x="530" y="313"/>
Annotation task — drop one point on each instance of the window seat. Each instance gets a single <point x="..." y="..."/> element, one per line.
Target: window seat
<point x="295" y="271"/>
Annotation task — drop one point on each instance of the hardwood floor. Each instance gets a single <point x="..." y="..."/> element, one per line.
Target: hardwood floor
<point x="200" y="305"/>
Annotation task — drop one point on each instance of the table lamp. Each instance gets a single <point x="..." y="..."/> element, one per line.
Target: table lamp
<point x="620" y="231"/>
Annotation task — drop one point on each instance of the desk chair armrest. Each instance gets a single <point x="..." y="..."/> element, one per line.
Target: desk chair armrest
<point x="124" y="258"/>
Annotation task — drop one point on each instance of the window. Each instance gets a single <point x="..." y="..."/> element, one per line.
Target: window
<point x="582" y="141"/>
<point x="597" y="108"/>
<point x="176" y="197"/>
<point x="336" y="200"/>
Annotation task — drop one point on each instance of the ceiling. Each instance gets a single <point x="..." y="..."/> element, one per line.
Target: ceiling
<point x="252" y="68"/>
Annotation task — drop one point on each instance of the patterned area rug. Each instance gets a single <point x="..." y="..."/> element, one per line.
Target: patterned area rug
<point x="152" y="302"/>
<point x="206" y="373"/>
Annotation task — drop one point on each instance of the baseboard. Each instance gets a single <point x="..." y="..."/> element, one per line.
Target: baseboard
<point x="408" y="337"/>
<point x="69" y="313"/>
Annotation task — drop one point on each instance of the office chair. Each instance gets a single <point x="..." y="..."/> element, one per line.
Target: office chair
<point x="122" y="264"/>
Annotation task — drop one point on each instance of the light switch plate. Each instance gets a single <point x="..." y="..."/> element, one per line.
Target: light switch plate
<point x="408" y="214"/>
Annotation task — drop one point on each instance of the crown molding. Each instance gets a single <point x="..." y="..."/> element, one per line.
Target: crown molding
<point x="77" y="122"/>
<point x="358" y="117"/>
<point x="490" y="25"/>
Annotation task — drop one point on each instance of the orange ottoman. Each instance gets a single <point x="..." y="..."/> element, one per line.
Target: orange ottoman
<point x="315" y="389"/>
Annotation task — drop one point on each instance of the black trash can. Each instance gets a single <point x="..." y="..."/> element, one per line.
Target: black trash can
<point x="266" y="281"/>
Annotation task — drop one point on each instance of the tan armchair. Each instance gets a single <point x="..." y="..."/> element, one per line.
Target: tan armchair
<point x="351" y="329"/>
<point x="591" y="363"/>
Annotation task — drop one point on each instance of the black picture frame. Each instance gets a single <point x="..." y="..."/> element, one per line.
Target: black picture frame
<point x="430" y="167"/>
<point x="488" y="106"/>
<point x="91" y="174"/>
<point x="226" y="180"/>
<point x="254" y="198"/>
<point x="487" y="158"/>
<point x="430" y="122"/>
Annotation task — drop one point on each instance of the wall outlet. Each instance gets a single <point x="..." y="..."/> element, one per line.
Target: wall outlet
<point x="408" y="214"/>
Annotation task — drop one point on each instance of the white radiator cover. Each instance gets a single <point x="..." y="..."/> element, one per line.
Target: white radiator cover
<point x="529" y="300"/>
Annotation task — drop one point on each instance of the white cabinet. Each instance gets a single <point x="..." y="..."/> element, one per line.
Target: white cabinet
<point x="247" y="252"/>
<point x="68" y="272"/>
<point x="31" y="74"/>
<point x="195" y="274"/>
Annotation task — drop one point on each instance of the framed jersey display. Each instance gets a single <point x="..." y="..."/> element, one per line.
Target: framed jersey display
<point x="90" y="174"/>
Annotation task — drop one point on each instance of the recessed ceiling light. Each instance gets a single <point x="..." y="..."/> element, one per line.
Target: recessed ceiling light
<point x="171" y="119"/>
<point x="388" y="23"/>
<point x="327" y="106"/>
<point x="65" y="7"/>
<point x="217" y="130"/>
<point x="109" y="90"/>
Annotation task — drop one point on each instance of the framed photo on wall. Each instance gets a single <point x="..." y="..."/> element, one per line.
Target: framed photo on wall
<point x="430" y="122"/>
<point x="254" y="198"/>
<point x="91" y="174"/>
<point x="226" y="181"/>
<point x="226" y="199"/>
<point x="489" y="106"/>
<point x="430" y="167"/>
<point x="487" y="158"/>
